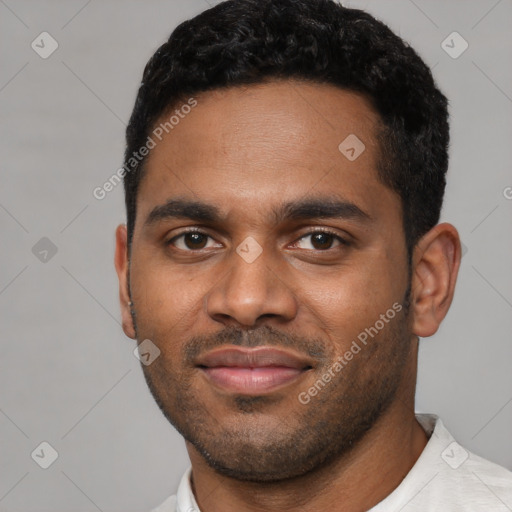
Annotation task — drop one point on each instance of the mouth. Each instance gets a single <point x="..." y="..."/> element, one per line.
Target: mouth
<point x="255" y="371"/>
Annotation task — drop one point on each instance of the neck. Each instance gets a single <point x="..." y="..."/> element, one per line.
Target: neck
<point x="357" y="481"/>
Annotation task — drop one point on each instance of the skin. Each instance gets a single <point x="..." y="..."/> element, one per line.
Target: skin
<point x="246" y="150"/>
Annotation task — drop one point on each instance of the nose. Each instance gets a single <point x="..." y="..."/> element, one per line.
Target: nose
<point x="250" y="292"/>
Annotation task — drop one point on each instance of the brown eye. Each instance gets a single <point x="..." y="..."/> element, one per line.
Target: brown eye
<point x="195" y="240"/>
<point x="320" y="241"/>
<point x="191" y="241"/>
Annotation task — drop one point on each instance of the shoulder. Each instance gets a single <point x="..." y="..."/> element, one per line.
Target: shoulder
<point x="479" y="476"/>
<point x="462" y="477"/>
<point x="450" y="478"/>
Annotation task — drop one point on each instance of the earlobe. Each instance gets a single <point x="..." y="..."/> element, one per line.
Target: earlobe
<point x="121" y="263"/>
<point x="436" y="262"/>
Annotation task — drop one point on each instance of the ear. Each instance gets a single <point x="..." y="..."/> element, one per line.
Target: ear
<point x="436" y="261"/>
<point x="122" y="264"/>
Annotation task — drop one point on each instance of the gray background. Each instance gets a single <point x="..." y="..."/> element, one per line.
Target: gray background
<point x="67" y="372"/>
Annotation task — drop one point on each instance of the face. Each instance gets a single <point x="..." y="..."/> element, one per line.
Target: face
<point x="263" y="255"/>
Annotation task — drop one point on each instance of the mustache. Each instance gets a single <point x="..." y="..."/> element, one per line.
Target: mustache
<point x="262" y="336"/>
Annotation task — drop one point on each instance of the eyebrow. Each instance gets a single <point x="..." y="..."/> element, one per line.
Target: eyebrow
<point x="304" y="209"/>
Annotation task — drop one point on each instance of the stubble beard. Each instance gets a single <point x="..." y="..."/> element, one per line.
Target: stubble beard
<point x="308" y="436"/>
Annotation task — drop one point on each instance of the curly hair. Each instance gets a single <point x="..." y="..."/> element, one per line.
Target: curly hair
<point x="241" y="42"/>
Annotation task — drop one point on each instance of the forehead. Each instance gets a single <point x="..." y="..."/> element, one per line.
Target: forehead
<point x="250" y="146"/>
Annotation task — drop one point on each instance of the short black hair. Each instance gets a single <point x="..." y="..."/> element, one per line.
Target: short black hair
<point x="243" y="42"/>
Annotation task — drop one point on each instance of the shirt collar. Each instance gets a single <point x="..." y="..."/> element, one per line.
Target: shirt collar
<point x="185" y="499"/>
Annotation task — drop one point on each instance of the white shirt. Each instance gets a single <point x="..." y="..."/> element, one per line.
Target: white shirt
<point x="445" y="478"/>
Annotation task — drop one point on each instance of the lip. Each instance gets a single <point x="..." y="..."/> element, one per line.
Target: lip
<point x="255" y="371"/>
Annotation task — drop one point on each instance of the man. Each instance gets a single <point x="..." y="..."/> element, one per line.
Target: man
<point x="284" y="175"/>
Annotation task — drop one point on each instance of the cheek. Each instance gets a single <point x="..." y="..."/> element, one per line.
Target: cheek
<point x="168" y="302"/>
<point x="349" y="300"/>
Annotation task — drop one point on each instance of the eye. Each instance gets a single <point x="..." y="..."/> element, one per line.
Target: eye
<point x="191" y="241"/>
<point x="197" y="240"/>
<point x="320" y="240"/>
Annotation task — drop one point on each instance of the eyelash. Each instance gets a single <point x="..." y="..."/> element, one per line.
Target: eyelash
<point x="336" y="236"/>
